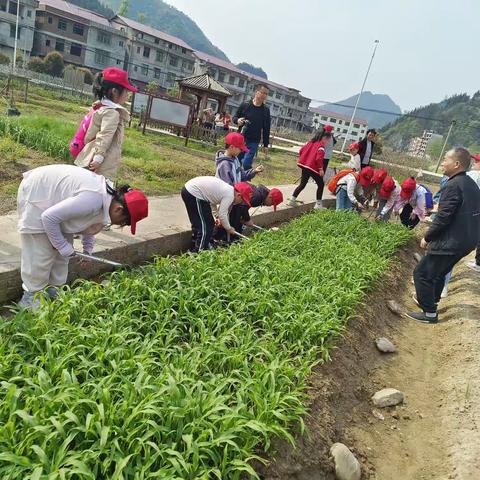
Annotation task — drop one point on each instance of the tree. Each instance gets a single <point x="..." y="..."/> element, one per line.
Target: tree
<point x="153" y="88"/>
<point x="124" y="7"/>
<point x="35" y="64"/>
<point x="4" y="60"/>
<point x="54" y="64"/>
<point x="88" y="76"/>
<point x="141" y="17"/>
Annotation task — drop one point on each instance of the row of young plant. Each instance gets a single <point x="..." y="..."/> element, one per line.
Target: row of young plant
<point x="184" y="368"/>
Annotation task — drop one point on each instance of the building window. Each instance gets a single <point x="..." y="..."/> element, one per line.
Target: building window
<point x="324" y="118"/>
<point x="170" y="45"/>
<point x="146" y="52"/>
<point x="241" y="82"/>
<point x="332" y="120"/>
<point x="347" y="123"/>
<point x="278" y="96"/>
<point x="221" y="76"/>
<point x="47" y="42"/>
<point x="354" y="133"/>
<point x="157" y="72"/>
<point x="345" y="130"/>
<point x="144" y="69"/>
<point x="157" y="41"/>
<point x="77" y="29"/>
<point x="173" y="61"/>
<point x="29" y="13"/>
<point x="59" y="46"/>
<point x="50" y="20"/>
<point x="139" y="49"/>
<point x="12" y="31"/>
<point x="12" y="8"/>
<point x="76" y="49"/>
<point x="356" y="125"/>
<point x="340" y="122"/>
<point x="171" y="79"/>
<point x="300" y="104"/>
<point x="139" y="35"/>
<point x="231" y="80"/>
<point x="135" y="68"/>
<point x="119" y="62"/>
<point x="104" y="37"/>
<point x="184" y="50"/>
<point x="62" y="25"/>
<point x="120" y="43"/>
<point x="159" y="56"/>
<point x="101" y="57"/>
<point x="3" y="5"/>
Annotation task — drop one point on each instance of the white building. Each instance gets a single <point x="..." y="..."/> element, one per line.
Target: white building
<point x="418" y="145"/>
<point x="340" y="124"/>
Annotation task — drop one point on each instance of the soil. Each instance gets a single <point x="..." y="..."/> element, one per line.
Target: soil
<point x="435" y="434"/>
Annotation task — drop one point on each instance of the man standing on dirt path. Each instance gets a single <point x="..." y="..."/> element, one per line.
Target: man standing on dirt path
<point x="453" y="234"/>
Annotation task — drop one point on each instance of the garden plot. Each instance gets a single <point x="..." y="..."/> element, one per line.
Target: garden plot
<point x="183" y="368"/>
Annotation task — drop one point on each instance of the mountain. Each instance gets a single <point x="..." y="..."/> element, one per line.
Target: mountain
<point x="95" y="6"/>
<point x="248" y="67"/>
<point x="462" y="108"/>
<point x="370" y="101"/>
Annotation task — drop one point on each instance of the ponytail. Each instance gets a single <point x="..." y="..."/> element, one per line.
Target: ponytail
<point x="119" y="197"/>
<point x="103" y="89"/>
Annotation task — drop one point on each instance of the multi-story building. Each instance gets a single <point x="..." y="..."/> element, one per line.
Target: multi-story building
<point x="288" y="108"/>
<point x="153" y="55"/>
<point x="84" y="38"/>
<point x="418" y="145"/>
<point x="26" y="27"/>
<point x="340" y="124"/>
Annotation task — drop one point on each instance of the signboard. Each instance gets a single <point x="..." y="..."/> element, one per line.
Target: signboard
<point x="163" y="110"/>
<point x="140" y="101"/>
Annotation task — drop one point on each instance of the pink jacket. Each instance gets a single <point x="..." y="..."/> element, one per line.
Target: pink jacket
<point x="311" y="156"/>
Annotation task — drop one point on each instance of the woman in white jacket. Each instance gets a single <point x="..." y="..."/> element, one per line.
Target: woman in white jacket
<point x="54" y="203"/>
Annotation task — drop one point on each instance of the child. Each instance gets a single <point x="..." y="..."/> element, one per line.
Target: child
<point x="261" y="196"/>
<point x="54" y="203"/>
<point x="354" y="162"/>
<point x="350" y="189"/>
<point x="104" y="137"/>
<point x="310" y="162"/>
<point x="388" y="195"/>
<point x="199" y="194"/>
<point x="412" y="202"/>
<point x="328" y="147"/>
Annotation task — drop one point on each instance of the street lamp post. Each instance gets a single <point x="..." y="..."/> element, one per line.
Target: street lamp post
<point x="444" y="145"/>
<point x="359" y="96"/>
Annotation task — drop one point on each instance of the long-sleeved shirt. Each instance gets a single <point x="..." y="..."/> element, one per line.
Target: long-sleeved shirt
<point x="230" y="169"/>
<point x="349" y="182"/>
<point x="475" y="176"/>
<point x="394" y="196"/>
<point x="84" y="204"/>
<point x="416" y="200"/>
<point x="216" y="192"/>
<point x="259" y="118"/>
<point x="329" y="147"/>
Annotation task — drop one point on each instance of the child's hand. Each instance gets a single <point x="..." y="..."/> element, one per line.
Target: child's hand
<point x="259" y="169"/>
<point x="93" y="166"/>
<point x="321" y="172"/>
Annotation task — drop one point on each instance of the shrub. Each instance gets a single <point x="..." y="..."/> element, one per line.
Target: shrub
<point x="54" y="64"/>
<point x="88" y="75"/>
<point x="36" y="64"/>
<point x="4" y="59"/>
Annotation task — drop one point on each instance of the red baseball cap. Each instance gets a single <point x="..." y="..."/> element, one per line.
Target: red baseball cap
<point x="118" y="76"/>
<point x="328" y="128"/>
<point x="475" y="158"/>
<point x="379" y="176"/>
<point x="236" y="140"/>
<point x="245" y="190"/>
<point x="366" y="176"/>
<point x="277" y="197"/>
<point x="353" y="146"/>
<point x="388" y="186"/>
<point x="137" y="204"/>
<point x="408" y="187"/>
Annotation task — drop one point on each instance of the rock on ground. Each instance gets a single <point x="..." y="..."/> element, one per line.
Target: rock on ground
<point x="395" y="307"/>
<point x="385" y="345"/>
<point x="388" y="397"/>
<point x="347" y="467"/>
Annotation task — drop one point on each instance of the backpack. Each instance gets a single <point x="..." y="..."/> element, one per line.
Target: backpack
<point x="78" y="141"/>
<point x="428" y="197"/>
<point x="332" y="184"/>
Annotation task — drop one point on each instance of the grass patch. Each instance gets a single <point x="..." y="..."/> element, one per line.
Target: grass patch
<point x="181" y="369"/>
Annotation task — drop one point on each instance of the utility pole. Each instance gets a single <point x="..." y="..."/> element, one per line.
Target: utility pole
<point x="445" y="145"/>
<point x="16" y="37"/>
<point x="359" y="96"/>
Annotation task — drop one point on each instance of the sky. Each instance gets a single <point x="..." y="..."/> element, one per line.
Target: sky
<point x="428" y="49"/>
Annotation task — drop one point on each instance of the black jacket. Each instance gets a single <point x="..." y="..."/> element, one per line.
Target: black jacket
<point x="363" y="149"/>
<point x="260" y="193"/>
<point x="456" y="227"/>
<point x="259" y="118"/>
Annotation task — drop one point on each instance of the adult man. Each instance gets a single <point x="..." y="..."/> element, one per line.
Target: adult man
<point x="253" y="120"/>
<point x="453" y="234"/>
<point x="366" y="147"/>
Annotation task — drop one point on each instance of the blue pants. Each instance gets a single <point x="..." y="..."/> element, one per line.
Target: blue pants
<point x="343" y="202"/>
<point x="247" y="158"/>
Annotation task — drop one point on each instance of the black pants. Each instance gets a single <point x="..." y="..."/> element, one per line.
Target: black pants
<point x="201" y="218"/>
<point x="429" y="277"/>
<point x="477" y="255"/>
<point x="306" y="174"/>
<point x="405" y="217"/>
<point x="235" y="217"/>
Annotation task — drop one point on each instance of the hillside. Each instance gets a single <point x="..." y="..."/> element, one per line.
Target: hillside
<point x="438" y="117"/>
<point x="248" y="67"/>
<point x="372" y="101"/>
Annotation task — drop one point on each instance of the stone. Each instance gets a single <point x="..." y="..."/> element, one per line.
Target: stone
<point x="385" y="345"/>
<point x="347" y="467"/>
<point x="388" y="397"/>
<point x="378" y="415"/>
<point x="395" y="307"/>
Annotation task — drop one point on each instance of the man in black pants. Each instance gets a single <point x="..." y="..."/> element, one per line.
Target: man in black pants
<point x="453" y="234"/>
<point x="367" y="145"/>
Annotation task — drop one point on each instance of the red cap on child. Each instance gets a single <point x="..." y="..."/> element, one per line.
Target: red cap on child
<point x="118" y="76"/>
<point x="236" y="140"/>
<point x="354" y="146"/>
<point x="245" y="190"/>
<point x="277" y="197"/>
<point x="379" y="176"/>
<point x="137" y="204"/>
<point x="475" y="158"/>
<point x="408" y="187"/>
<point x="366" y="176"/>
<point x="328" y="128"/>
<point x="388" y="186"/>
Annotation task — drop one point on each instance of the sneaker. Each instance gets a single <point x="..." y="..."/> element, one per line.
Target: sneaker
<point x="293" y="202"/>
<point x="473" y="265"/>
<point x="421" y="317"/>
<point x="319" y="206"/>
<point x="30" y="300"/>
